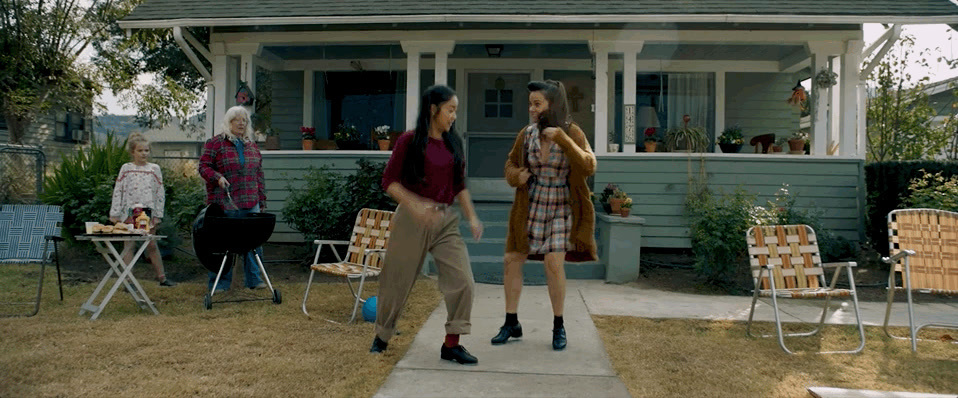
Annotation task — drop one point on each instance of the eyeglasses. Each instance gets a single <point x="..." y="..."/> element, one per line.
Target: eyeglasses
<point x="238" y="121"/>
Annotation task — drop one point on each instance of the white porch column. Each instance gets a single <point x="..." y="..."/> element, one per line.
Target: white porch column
<point x="443" y="49"/>
<point x="719" y="106"/>
<point x="628" y="101"/>
<point x="601" y="108"/>
<point x="850" y="110"/>
<point x="308" y="87"/>
<point x="220" y="90"/>
<point x="821" y="51"/>
<point x="412" y="89"/>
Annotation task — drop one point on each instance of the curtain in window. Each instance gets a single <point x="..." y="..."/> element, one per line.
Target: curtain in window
<point x="690" y="94"/>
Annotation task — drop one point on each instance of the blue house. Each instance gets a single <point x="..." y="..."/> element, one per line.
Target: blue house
<point x="627" y="66"/>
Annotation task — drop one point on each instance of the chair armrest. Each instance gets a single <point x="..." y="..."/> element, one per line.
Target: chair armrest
<point x="840" y="264"/>
<point x="899" y="256"/>
<point x="54" y="238"/>
<point x="367" y="251"/>
<point x="766" y="266"/>
<point x="330" y="242"/>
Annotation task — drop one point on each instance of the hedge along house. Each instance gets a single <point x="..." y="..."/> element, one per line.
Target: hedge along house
<point x="627" y="66"/>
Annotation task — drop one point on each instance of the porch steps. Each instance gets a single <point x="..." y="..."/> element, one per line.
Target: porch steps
<point x="486" y="256"/>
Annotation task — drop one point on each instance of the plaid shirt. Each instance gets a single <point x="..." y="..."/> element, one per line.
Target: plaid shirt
<point x="220" y="159"/>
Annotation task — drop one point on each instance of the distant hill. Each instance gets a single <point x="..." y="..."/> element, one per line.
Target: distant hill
<point x="120" y="125"/>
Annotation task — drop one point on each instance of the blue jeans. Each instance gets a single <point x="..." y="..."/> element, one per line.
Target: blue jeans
<point x="251" y="270"/>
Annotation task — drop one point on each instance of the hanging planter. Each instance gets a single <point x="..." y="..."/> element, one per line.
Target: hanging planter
<point x="826" y="78"/>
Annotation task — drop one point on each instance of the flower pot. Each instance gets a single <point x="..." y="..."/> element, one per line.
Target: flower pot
<point x="328" y="145"/>
<point x="796" y="146"/>
<point x="308" y="145"/>
<point x="650" y="146"/>
<point x="383" y="144"/>
<point x="613" y="148"/>
<point x="730" y="148"/>
<point x="272" y="142"/>
<point x="625" y="211"/>
<point x="777" y="149"/>
<point x="616" y="204"/>
<point x="350" y="145"/>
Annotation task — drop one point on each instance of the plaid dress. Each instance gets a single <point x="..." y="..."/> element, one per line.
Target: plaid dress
<point x="550" y="217"/>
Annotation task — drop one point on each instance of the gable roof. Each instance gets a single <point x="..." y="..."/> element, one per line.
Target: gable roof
<point x="167" y="13"/>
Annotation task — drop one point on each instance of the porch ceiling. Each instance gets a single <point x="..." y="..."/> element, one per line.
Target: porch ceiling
<point x="651" y="51"/>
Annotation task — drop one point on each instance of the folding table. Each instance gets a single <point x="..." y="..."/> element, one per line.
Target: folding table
<point x="123" y="270"/>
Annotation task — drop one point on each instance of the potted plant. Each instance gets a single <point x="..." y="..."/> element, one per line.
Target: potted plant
<point x="382" y="137"/>
<point x="685" y="138"/>
<point x="272" y="139"/>
<point x="626" y="207"/>
<point x="779" y="145"/>
<point x="651" y="139"/>
<point x="606" y="195"/>
<point x="796" y="143"/>
<point x="731" y="139"/>
<point x="615" y="202"/>
<point x="309" y="136"/>
<point x="347" y="137"/>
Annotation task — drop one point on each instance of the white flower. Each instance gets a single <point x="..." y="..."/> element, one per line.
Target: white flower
<point x="382" y="129"/>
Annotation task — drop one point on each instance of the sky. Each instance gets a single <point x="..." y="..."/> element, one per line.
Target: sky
<point x="926" y="36"/>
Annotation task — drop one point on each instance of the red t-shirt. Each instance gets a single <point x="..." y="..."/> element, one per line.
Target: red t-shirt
<point x="437" y="183"/>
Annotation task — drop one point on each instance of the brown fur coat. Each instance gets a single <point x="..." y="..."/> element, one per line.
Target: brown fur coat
<point x="582" y="164"/>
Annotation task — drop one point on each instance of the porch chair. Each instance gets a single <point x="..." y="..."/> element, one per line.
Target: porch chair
<point x="786" y="262"/>
<point x="923" y="247"/>
<point x="364" y="255"/>
<point x="26" y="234"/>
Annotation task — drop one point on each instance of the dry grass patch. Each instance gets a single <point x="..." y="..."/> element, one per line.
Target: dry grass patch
<point x="684" y="358"/>
<point x="234" y="350"/>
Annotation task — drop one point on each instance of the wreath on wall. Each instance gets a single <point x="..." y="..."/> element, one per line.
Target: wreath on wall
<point x="826" y="78"/>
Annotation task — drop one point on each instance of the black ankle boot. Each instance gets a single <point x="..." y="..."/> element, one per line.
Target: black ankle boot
<point x="507" y="331"/>
<point x="378" y="346"/>
<point x="558" y="339"/>
<point x="457" y="354"/>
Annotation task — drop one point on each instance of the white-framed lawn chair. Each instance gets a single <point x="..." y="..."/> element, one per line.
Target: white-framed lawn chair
<point x="26" y="234"/>
<point x="365" y="254"/>
<point x="923" y="248"/>
<point x="786" y="263"/>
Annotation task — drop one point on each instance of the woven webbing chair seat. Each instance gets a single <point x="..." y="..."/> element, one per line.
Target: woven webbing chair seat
<point x="365" y="254"/>
<point x="786" y="263"/>
<point x="923" y="251"/>
<point x="345" y="269"/>
<point x="29" y="235"/>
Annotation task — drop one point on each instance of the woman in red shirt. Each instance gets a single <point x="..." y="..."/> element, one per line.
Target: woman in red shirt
<point x="425" y="173"/>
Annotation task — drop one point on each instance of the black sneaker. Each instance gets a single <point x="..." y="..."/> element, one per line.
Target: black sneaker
<point x="505" y="332"/>
<point x="558" y="339"/>
<point x="167" y="282"/>
<point x="378" y="346"/>
<point x="458" y="354"/>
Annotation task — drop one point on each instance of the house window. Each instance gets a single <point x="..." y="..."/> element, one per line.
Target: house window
<point x="498" y="103"/>
<point x="672" y="95"/>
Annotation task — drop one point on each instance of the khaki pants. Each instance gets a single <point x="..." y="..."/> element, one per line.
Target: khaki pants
<point x="409" y="241"/>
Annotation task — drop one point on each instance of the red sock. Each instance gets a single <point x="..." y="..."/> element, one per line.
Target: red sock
<point x="452" y="340"/>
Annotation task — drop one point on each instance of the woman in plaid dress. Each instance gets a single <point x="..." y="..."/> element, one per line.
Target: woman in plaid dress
<point x="552" y="217"/>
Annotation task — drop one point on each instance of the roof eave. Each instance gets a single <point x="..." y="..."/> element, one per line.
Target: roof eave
<point x="511" y="18"/>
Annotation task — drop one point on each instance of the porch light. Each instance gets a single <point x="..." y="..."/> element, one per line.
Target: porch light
<point x="494" y="50"/>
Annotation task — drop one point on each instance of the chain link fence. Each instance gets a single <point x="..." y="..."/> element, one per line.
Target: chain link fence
<point x="22" y="168"/>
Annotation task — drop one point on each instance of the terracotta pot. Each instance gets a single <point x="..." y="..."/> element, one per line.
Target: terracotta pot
<point x="616" y="204"/>
<point x="796" y="145"/>
<point x="625" y="211"/>
<point x="776" y="148"/>
<point x="383" y="145"/>
<point x="272" y="142"/>
<point x="308" y="145"/>
<point x="650" y="146"/>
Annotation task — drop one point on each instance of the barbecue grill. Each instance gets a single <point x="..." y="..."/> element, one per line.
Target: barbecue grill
<point x="218" y="239"/>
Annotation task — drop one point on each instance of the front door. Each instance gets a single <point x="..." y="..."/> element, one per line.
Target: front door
<point x="497" y="109"/>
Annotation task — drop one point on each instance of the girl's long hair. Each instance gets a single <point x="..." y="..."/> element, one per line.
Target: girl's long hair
<point x="558" y="113"/>
<point x="414" y="164"/>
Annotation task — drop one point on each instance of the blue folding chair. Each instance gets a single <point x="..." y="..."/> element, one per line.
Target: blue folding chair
<point x="26" y="234"/>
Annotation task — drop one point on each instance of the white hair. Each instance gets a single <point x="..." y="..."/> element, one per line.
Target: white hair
<point x="233" y="113"/>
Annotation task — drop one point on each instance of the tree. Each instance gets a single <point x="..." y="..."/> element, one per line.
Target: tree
<point x="176" y="89"/>
<point x="899" y="117"/>
<point x="40" y="45"/>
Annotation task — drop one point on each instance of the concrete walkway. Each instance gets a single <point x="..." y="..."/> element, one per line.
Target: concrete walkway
<point x="528" y="367"/>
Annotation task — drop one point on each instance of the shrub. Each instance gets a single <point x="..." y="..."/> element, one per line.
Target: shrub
<point x="185" y="195"/>
<point x="326" y="207"/>
<point x="932" y="191"/>
<point x="83" y="183"/>
<point x="782" y="211"/>
<point x="717" y="225"/>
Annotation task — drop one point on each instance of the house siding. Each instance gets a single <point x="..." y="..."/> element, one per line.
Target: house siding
<point x="287" y="108"/>
<point x="756" y="103"/>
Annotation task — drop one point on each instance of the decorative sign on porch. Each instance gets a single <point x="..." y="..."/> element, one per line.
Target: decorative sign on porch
<point x="628" y="124"/>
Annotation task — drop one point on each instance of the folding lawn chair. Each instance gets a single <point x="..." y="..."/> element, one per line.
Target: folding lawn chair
<point x="923" y="246"/>
<point x="370" y="235"/>
<point x="786" y="262"/>
<point x="26" y="232"/>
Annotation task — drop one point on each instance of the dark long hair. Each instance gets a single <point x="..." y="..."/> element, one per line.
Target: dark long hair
<point x="414" y="164"/>
<point x="558" y="113"/>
